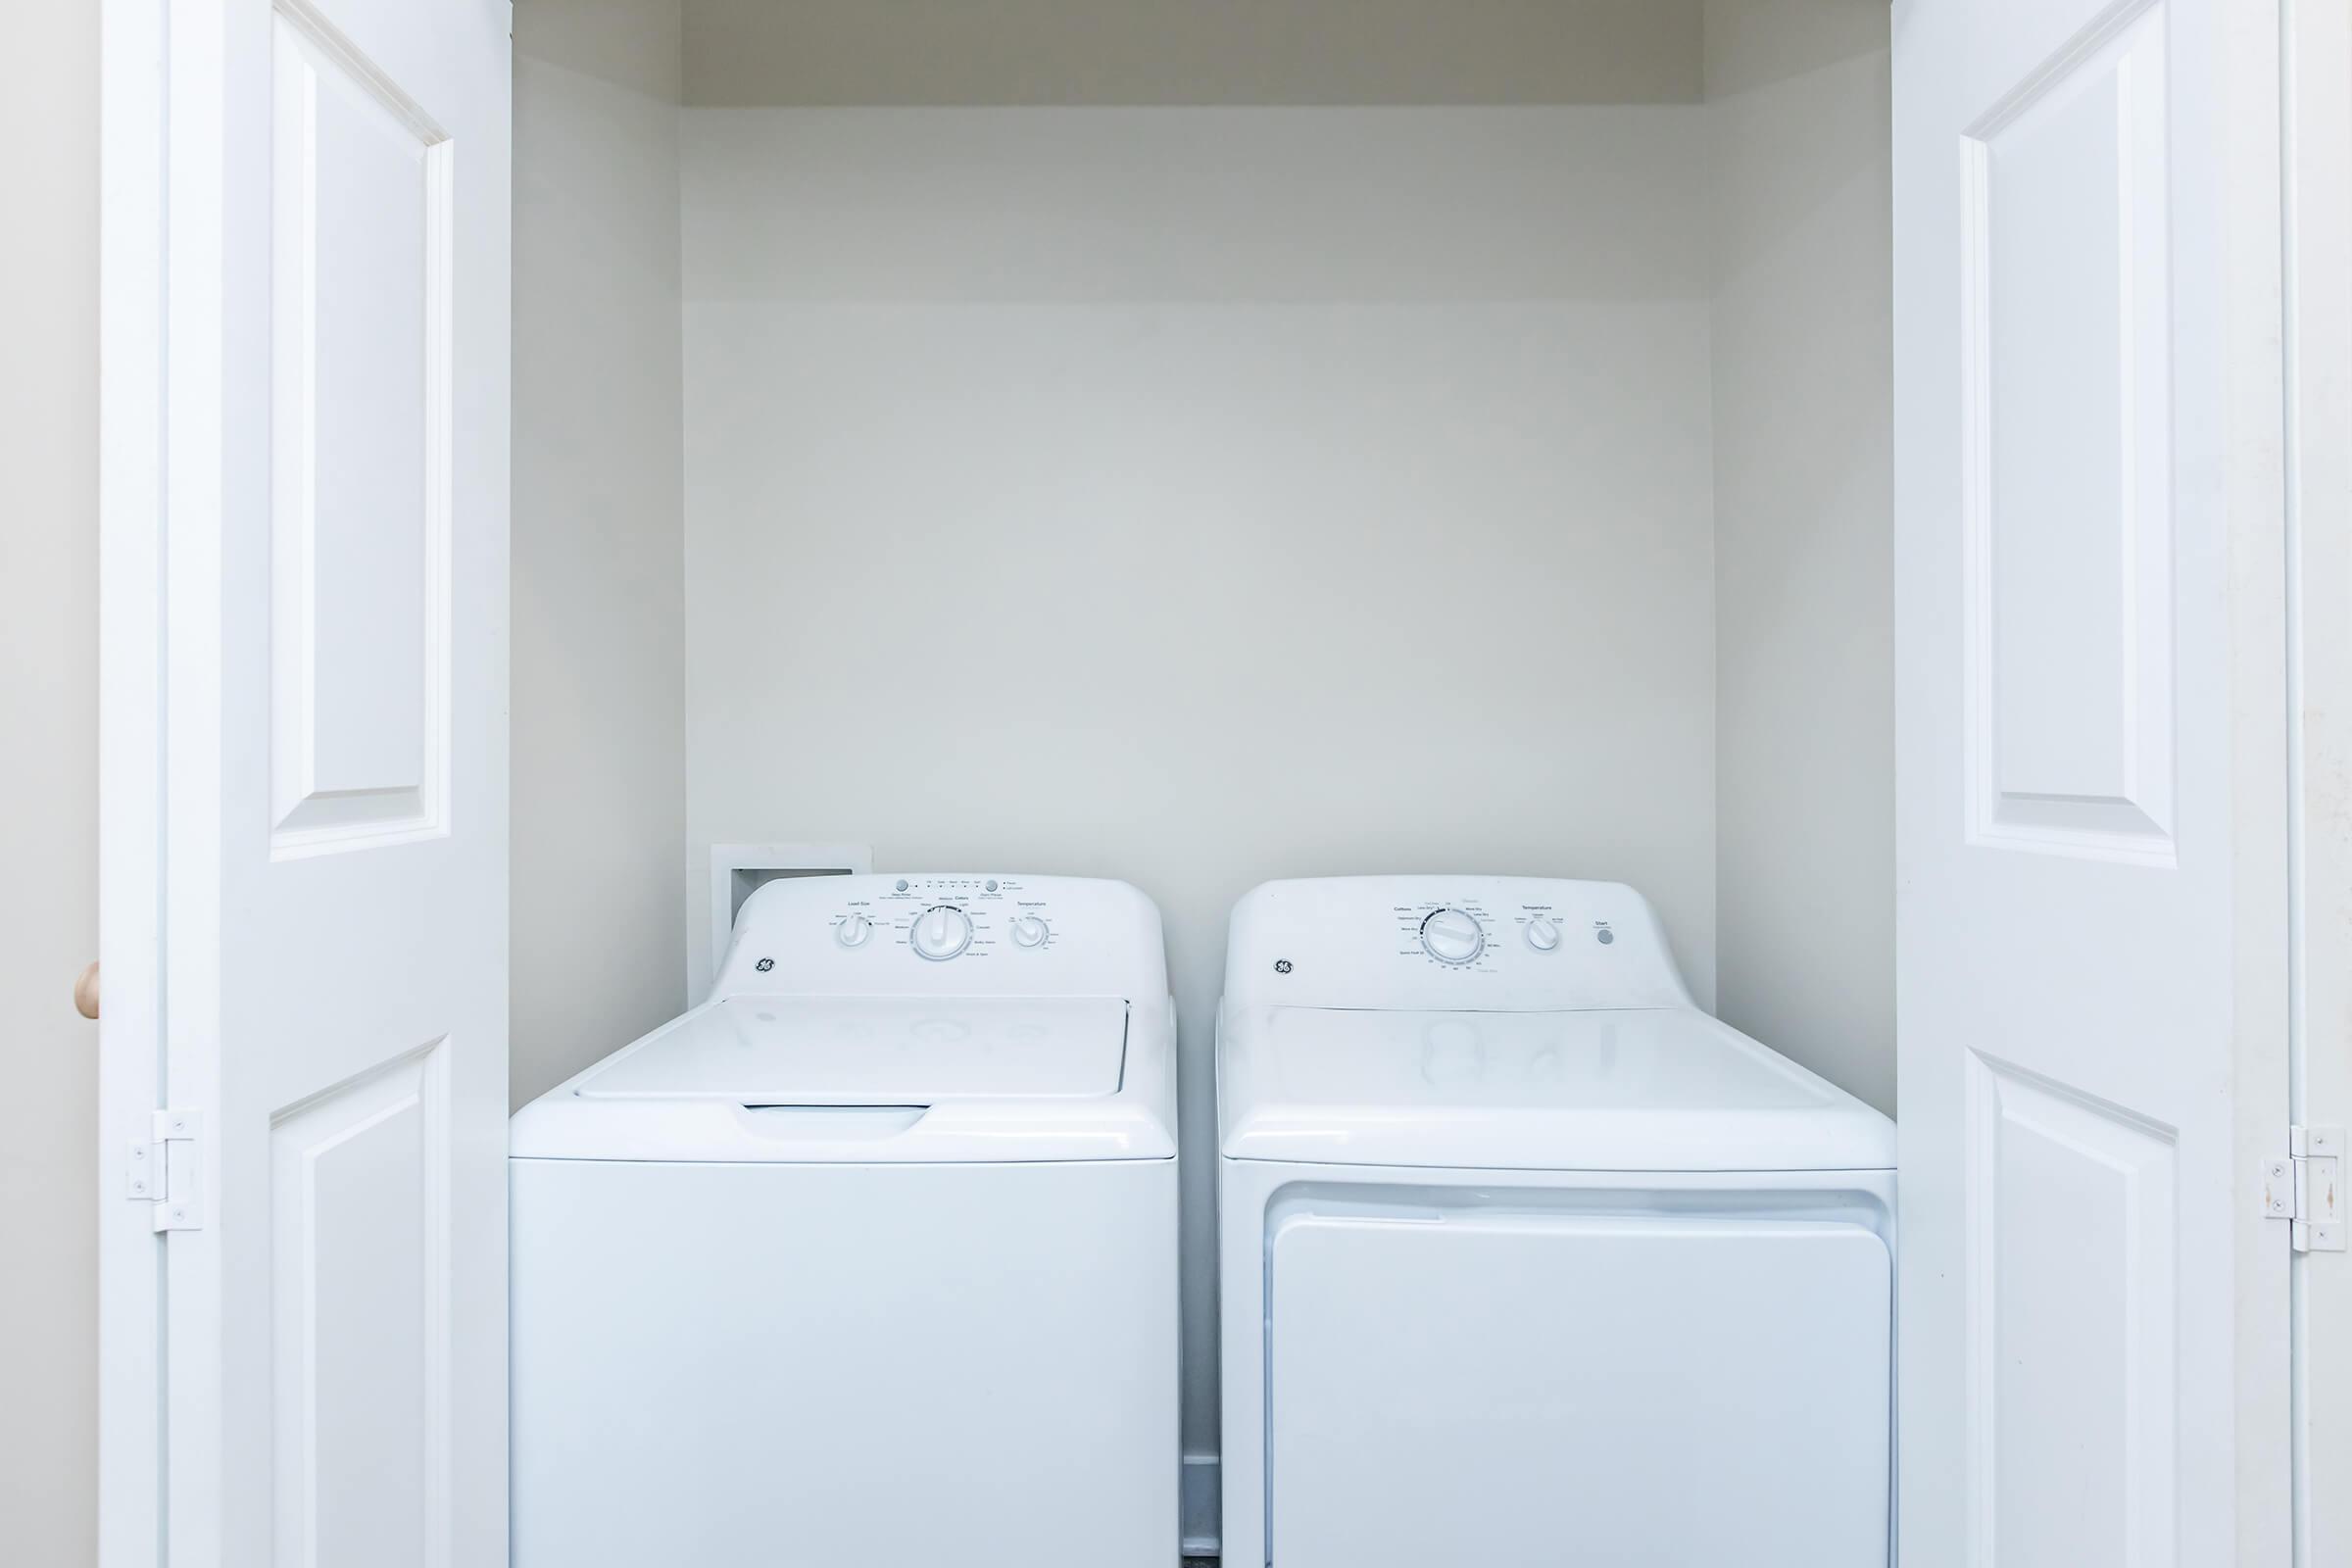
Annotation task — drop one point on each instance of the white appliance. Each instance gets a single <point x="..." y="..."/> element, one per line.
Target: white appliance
<point x="1527" y="1260"/>
<point x="870" y="1260"/>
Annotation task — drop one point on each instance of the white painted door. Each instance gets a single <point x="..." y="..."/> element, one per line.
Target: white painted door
<point x="2092" y="899"/>
<point x="306" y="471"/>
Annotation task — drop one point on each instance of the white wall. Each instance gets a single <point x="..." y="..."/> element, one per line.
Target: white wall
<point x="1797" y="133"/>
<point x="599" y="829"/>
<point x="49" y="780"/>
<point x="1197" y="497"/>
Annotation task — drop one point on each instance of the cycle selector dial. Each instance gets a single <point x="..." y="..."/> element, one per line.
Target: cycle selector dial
<point x="1452" y="936"/>
<point x="940" y="933"/>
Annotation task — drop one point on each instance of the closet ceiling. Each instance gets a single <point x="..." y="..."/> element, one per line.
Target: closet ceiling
<point x="1160" y="52"/>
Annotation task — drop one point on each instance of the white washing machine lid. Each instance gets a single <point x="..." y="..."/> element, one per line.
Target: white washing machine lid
<point x="1618" y="1089"/>
<point x="875" y="1050"/>
<point x="756" y="1079"/>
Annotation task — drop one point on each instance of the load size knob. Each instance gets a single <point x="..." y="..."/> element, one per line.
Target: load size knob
<point x="940" y="933"/>
<point x="1452" y="936"/>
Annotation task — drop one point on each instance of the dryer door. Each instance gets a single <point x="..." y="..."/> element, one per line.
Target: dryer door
<point x="1521" y="1389"/>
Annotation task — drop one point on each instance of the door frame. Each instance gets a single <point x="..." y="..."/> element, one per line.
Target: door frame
<point x="2316" y="52"/>
<point x="137" y="63"/>
<point x="2260" y="564"/>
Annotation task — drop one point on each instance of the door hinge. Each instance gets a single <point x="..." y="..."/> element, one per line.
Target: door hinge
<point x="166" y="1170"/>
<point x="2307" y="1188"/>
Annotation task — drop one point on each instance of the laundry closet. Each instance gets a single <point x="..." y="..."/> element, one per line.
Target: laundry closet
<point x="1197" y="445"/>
<point x="1316" y="557"/>
<point x="1367" y="590"/>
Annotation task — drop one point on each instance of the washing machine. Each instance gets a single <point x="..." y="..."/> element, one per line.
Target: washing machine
<point x="868" y="1261"/>
<point x="1526" y="1259"/>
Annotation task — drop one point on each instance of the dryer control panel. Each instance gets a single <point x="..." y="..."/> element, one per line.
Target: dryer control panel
<point x="946" y="934"/>
<point x="1449" y="941"/>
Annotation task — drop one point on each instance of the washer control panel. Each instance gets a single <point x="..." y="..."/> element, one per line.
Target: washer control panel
<point x="939" y="920"/>
<point x="943" y="934"/>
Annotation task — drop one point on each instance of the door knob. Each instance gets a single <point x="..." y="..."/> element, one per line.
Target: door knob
<point x="86" y="991"/>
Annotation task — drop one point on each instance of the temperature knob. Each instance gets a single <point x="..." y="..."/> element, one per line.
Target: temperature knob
<point x="1031" y="931"/>
<point x="940" y="933"/>
<point x="1452" y="936"/>
<point x="1542" y="933"/>
<point x="852" y="930"/>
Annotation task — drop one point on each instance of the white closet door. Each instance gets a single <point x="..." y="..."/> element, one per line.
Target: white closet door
<point x="2090" y="798"/>
<point x="307" y="533"/>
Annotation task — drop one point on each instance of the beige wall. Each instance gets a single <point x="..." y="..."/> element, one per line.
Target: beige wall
<point x="49" y="779"/>
<point x="599" y="827"/>
<point x="1797" y="118"/>
<point x="1203" y="496"/>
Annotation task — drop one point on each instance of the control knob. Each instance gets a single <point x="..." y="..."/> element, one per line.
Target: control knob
<point x="1031" y="931"/>
<point x="852" y="930"/>
<point x="1542" y="933"/>
<point x="1452" y="936"/>
<point x="940" y="933"/>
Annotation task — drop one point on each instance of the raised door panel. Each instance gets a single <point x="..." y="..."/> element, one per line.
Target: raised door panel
<point x="2073" y="1207"/>
<point x="361" y="321"/>
<point x="2067" y="467"/>
<point x="361" y="1298"/>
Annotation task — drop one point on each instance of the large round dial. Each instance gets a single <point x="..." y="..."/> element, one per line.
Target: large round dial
<point x="1452" y="936"/>
<point x="940" y="932"/>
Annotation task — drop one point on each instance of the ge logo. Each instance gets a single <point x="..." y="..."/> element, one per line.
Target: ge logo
<point x="1282" y="966"/>
<point x="765" y="965"/>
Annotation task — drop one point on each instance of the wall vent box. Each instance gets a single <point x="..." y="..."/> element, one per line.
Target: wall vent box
<point x="737" y="870"/>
